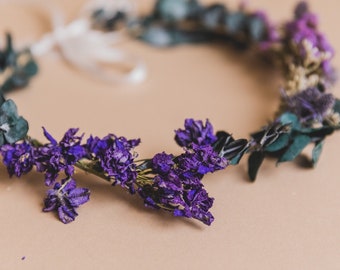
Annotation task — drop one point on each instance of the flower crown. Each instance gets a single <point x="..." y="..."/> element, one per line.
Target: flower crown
<point x="307" y="115"/>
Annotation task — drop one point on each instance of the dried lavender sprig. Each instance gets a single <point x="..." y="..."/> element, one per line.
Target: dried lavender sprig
<point x="112" y="159"/>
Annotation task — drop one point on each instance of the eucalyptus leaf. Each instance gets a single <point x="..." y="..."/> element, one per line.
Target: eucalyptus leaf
<point x="254" y="163"/>
<point x="299" y="143"/>
<point x="279" y="144"/>
<point x="31" y="68"/>
<point x="162" y="36"/>
<point x="2" y="99"/>
<point x="12" y="127"/>
<point x="317" y="152"/>
<point x="172" y="10"/>
<point x="17" y="132"/>
<point x="336" y="107"/>
<point x="256" y="28"/>
<point x="235" y="22"/>
<point x="234" y="148"/>
<point x="19" y="80"/>
<point x="235" y="160"/>
<point x="290" y="118"/>
<point x="213" y="15"/>
<point x="158" y="36"/>
<point x="223" y="138"/>
<point x="9" y="109"/>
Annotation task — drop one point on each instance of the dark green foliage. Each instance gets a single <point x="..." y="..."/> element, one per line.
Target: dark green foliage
<point x="336" y="107"/>
<point x="295" y="148"/>
<point x="317" y="152"/>
<point x="20" y="67"/>
<point x="12" y="126"/>
<point x="254" y="162"/>
<point x="286" y="139"/>
<point x="175" y="22"/>
<point x="226" y="146"/>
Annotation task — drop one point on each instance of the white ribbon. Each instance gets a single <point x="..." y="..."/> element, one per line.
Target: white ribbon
<point x="86" y="48"/>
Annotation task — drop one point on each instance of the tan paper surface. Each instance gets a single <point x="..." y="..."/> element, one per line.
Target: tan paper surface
<point x="288" y="219"/>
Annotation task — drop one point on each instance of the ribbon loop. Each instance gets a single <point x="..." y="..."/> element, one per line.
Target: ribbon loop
<point x="86" y="48"/>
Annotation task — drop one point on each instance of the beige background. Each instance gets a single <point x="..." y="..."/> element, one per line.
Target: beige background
<point x="288" y="219"/>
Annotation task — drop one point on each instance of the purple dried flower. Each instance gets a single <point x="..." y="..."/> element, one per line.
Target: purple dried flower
<point x="53" y="157"/>
<point x="115" y="158"/>
<point x="170" y="193"/>
<point x="65" y="198"/>
<point x="162" y="163"/>
<point x="199" y="203"/>
<point x="195" y="132"/>
<point x="18" y="158"/>
<point x="310" y="104"/>
<point x="200" y="160"/>
<point x="304" y="28"/>
<point x="177" y="185"/>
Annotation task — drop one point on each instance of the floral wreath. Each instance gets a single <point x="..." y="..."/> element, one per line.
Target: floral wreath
<point x="308" y="112"/>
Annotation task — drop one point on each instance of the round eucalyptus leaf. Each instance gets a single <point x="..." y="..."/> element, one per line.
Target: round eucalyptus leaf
<point x="280" y="143"/>
<point x="17" y="132"/>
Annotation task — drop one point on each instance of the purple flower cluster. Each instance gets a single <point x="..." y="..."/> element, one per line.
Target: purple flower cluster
<point x="116" y="159"/>
<point x="177" y="186"/>
<point x="53" y="158"/>
<point x="18" y="158"/>
<point x="195" y="132"/>
<point x="305" y="28"/>
<point x="310" y="104"/>
<point x="65" y="198"/>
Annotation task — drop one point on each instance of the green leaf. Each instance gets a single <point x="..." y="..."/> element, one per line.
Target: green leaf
<point x="9" y="108"/>
<point x="317" y="152"/>
<point x="254" y="163"/>
<point x="336" y="107"/>
<point x="257" y="28"/>
<point x="290" y="118"/>
<point x="17" y="132"/>
<point x="2" y="99"/>
<point x="279" y="144"/>
<point x="235" y="160"/>
<point x="172" y="10"/>
<point x="299" y="143"/>
<point x="321" y="132"/>
<point x="31" y="68"/>
<point x="2" y="139"/>
<point x="16" y="127"/>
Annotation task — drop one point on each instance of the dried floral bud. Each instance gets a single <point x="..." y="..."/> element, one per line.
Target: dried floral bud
<point x="333" y="119"/>
<point x="299" y="78"/>
<point x="18" y="158"/>
<point x="195" y="132"/>
<point x="310" y="105"/>
<point x="54" y="157"/>
<point x="310" y="47"/>
<point x="115" y="158"/>
<point x="175" y="183"/>
<point x="65" y="198"/>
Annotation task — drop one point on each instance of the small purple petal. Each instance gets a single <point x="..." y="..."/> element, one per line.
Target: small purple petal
<point x="78" y="196"/>
<point x="49" y="137"/>
<point x="64" y="198"/>
<point x="66" y="214"/>
<point x="195" y="132"/>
